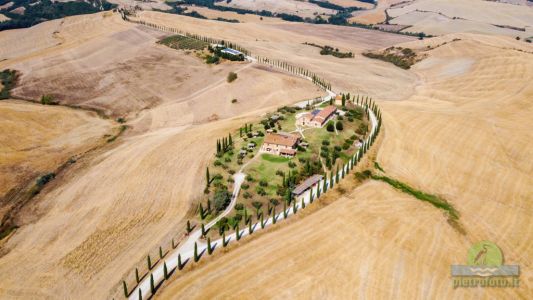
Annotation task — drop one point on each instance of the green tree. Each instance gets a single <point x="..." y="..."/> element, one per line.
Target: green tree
<point x="196" y="257"/>
<point x="165" y="270"/>
<point x="125" y="288"/>
<point x="232" y="76"/>
<point x="339" y="125"/>
<point x="152" y="283"/>
<point x="330" y="127"/>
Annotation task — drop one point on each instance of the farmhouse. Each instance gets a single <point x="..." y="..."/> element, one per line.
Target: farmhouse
<point x="317" y="118"/>
<point x="307" y="184"/>
<point x="283" y="144"/>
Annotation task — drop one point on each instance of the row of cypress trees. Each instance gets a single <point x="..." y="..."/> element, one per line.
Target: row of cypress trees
<point x="296" y="70"/>
<point x="190" y="35"/>
<point x="334" y="177"/>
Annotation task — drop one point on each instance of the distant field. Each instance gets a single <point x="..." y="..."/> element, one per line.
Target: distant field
<point x="441" y="17"/>
<point x="294" y="7"/>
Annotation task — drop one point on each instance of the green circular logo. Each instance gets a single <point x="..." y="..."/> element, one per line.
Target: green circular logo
<point x="485" y="253"/>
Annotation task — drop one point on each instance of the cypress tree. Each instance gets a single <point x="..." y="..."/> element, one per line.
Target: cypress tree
<point x="196" y="257"/>
<point x="203" y="230"/>
<point x="262" y="224"/>
<point x="285" y="210"/>
<point x="140" y="294"/>
<point x="189" y="228"/>
<point x="240" y="132"/>
<point x="207" y="177"/>
<point x="165" y="270"/>
<point x="149" y="262"/>
<point x="311" y="196"/>
<point x="274" y="218"/>
<point x="337" y="174"/>
<point x="325" y="187"/>
<point x="331" y="180"/>
<point x="180" y="265"/>
<point x="294" y="208"/>
<point x="160" y="252"/>
<point x="250" y="229"/>
<point x="303" y="203"/>
<point x="125" y="288"/>
<point x="224" y="242"/>
<point x="209" y="249"/>
<point x="318" y="190"/>
<point x="230" y="140"/>
<point x="137" y="278"/>
<point x="202" y="216"/>
<point x="152" y="283"/>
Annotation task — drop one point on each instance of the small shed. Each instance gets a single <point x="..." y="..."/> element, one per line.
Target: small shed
<point x="307" y="184"/>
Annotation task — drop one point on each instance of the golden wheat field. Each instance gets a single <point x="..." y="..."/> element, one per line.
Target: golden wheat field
<point x="464" y="134"/>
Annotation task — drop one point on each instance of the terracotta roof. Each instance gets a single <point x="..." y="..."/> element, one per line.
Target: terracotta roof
<point x="283" y="139"/>
<point x="326" y="112"/>
<point x="309" y="182"/>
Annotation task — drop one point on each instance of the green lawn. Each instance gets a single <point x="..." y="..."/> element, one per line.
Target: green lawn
<point x="274" y="158"/>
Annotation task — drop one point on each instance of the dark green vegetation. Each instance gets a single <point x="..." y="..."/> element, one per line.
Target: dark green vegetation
<point x="434" y="200"/>
<point x="41" y="182"/>
<point x="183" y="43"/>
<point x="39" y="11"/>
<point x="328" y="50"/>
<point x="9" y="79"/>
<point x="400" y="57"/>
<point x="48" y="100"/>
<point x="232" y="76"/>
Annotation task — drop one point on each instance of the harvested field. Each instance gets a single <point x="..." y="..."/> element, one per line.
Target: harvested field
<point x="36" y="140"/>
<point x="285" y="42"/>
<point x="105" y="213"/>
<point x="294" y="7"/>
<point x="438" y="17"/>
<point x="470" y="144"/>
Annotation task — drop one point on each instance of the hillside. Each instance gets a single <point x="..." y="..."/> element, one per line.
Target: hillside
<point x="463" y="135"/>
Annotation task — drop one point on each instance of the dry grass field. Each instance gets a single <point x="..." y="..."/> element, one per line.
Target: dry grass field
<point x="85" y="231"/>
<point x="303" y="9"/>
<point x="438" y="17"/>
<point x="464" y="135"/>
<point x="37" y="139"/>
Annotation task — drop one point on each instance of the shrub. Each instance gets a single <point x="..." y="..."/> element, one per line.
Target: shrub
<point x="263" y="183"/>
<point x="227" y="159"/>
<point x="245" y="186"/>
<point x="212" y="59"/>
<point x="339" y="126"/>
<point x="48" y="100"/>
<point x="222" y="199"/>
<point x="261" y="191"/>
<point x="232" y="76"/>
<point x="247" y="195"/>
<point x="233" y="100"/>
<point x="292" y="164"/>
<point x="257" y="204"/>
<point x="217" y="163"/>
<point x="239" y="206"/>
<point x="249" y="178"/>
<point x="330" y="127"/>
<point x="274" y="202"/>
<point x="337" y="148"/>
<point x="231" y="171"/>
